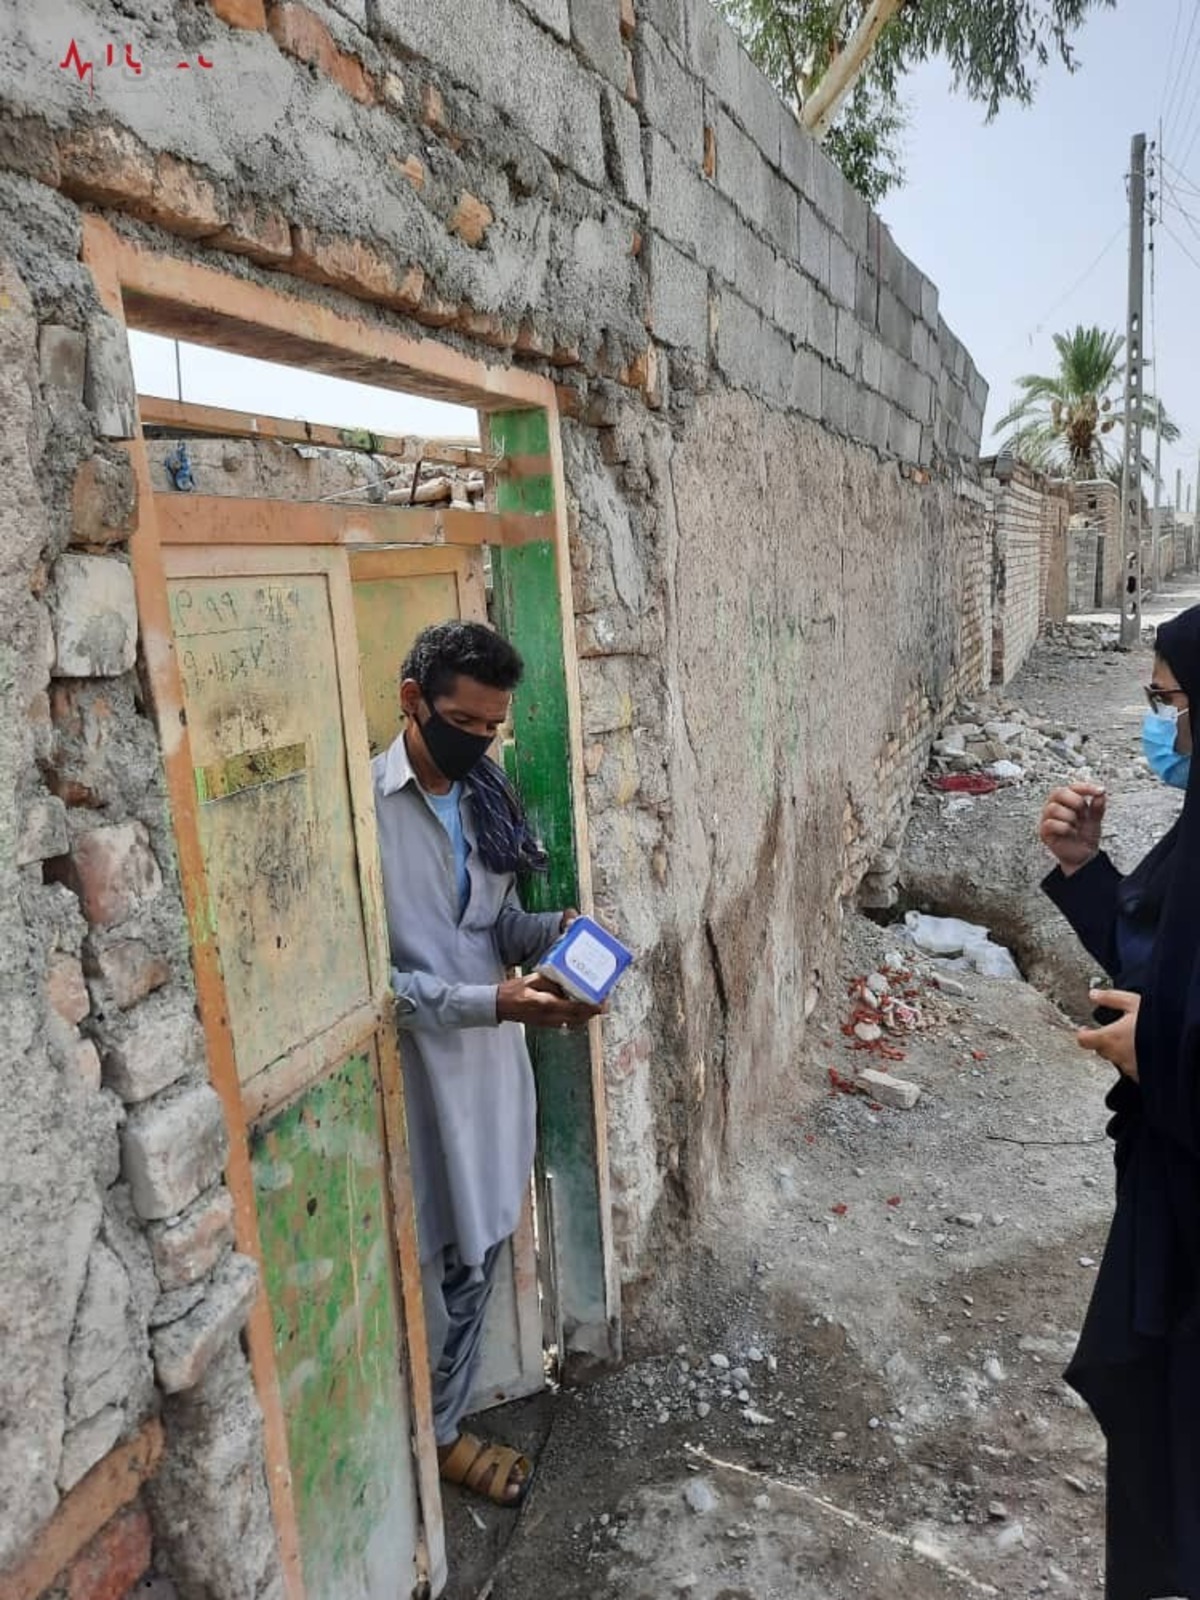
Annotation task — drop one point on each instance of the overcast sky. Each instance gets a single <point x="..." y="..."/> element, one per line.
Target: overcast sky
<point x="1010" y="219"/>
<point x="1021" y="223"/>
<point x="213" y="378"/>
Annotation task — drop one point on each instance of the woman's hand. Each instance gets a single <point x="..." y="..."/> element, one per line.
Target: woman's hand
<point x="1072" y="823"/>
<point x="1118" y="1041"/>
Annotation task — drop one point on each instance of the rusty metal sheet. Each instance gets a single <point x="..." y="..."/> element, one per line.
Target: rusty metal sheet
<point x="249" y="769"/>
<point x="259" y="668"/>
<point x="321" y="1185"/>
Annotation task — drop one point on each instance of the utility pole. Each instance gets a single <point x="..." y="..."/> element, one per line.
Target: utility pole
<point x="1156" y="514"/>
<point x="1131" y="467"/>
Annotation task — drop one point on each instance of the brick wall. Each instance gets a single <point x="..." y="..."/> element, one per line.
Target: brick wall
<point x="1056" y="516"/>
<point x="1016" y="576"/>
<point x="781" y="574"/>
<point x="1029" y="559"/>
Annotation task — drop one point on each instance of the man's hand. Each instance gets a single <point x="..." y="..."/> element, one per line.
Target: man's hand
<point x="1072" y="823"/>
<point x="1118" y="1041"/>
<point x="568" y="917"/>
<point x="538" y="1004"/>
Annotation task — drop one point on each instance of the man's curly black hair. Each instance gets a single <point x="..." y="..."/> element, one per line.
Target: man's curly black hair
<point x="449" y="650"/>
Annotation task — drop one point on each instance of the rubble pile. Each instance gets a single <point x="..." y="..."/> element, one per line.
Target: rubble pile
<point x="886" y="1006"/>
<point x="695" y="1384"/>
<point x="436" y="485"/>
<point x="1008" y="744"/>
<point x="997" y="738"/>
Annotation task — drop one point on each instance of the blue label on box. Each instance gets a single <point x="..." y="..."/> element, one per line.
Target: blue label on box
<point x="586" y="961"/>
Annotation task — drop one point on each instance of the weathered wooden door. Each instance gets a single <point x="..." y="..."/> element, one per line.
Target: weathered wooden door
<point x="396" y="594"/>
<point x="266" y="643"/>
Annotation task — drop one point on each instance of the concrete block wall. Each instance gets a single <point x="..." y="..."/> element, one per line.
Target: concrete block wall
<point x="781" y="573"/>
<point x="1187" y="556"/>
<point x="1097" y="503"/>
<point x="1166" y="557"/>
<point x="1082" y="554"/>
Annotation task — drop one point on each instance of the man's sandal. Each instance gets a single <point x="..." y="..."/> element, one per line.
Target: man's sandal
<point x="491" y="1470"/>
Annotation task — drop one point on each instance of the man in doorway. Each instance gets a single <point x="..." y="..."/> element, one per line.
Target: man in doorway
<point x="452" y="836"/>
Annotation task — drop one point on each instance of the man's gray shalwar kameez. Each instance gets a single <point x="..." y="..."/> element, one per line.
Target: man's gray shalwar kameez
<point x="467" y="1079"/>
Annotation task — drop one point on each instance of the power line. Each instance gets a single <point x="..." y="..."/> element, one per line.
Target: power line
<point x="1171" y="54"/>
<point x="1172" y="234"/>
<point x="1185" y="110"/>
<point x="1181" y="74"/>
<point x="1176" y="205"/>
<point x="1078" y="284"/>
<point x="1181" y="178"/>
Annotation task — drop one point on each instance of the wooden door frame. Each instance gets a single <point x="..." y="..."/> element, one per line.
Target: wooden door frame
<point x="159" y="292"/>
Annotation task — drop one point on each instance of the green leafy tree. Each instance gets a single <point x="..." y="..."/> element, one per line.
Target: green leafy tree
<point x="861" y="50"/>
<point x="1071" y="422"/>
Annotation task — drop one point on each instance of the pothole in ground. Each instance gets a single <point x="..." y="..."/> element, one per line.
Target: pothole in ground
<point x="1027" y="924"/>
<point x="1004" y="929"/>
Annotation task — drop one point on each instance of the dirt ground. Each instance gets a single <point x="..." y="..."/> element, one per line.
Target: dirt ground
<point x="890" y="1295"/>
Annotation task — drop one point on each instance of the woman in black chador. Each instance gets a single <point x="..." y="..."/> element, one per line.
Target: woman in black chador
<point x="1138" y="1361"/>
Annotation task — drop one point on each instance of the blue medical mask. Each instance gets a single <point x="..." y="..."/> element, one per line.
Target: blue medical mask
<point x="1159" y="733"/>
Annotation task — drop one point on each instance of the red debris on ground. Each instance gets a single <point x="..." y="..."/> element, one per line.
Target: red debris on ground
<point x="895" y="1200"/>
<point x="840" y="1085"/>
<point x="877" y="1047"/>
<point x="839" y="1210"/>
<point x="965" y="783"/>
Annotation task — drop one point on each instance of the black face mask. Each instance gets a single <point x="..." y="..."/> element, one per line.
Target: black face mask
<point x="453" y="751"/>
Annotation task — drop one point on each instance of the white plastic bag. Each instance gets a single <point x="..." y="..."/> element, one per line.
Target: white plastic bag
<point x="942" y="936"/>
<point x="992" y="960"/>
<point x="950" y="937"/>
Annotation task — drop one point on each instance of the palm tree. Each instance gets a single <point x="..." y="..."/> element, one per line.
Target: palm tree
<point x="1066" y="424"/>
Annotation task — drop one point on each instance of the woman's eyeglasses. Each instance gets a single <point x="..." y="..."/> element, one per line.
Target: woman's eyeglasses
<point x="1160" y="698"/>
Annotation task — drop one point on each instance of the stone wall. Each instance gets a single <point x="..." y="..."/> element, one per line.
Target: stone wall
<point x="121" y="1285"/>
<point x="781" y="579"/>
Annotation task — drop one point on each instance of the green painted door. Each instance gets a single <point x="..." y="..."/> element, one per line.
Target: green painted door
<point x="321" y="1185"/>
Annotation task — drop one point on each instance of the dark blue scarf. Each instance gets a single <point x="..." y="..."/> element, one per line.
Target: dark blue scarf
<point x="506" y="843"/>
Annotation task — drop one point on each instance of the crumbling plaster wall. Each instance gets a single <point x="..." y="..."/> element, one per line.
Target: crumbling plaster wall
<point x="780" y="569"/>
